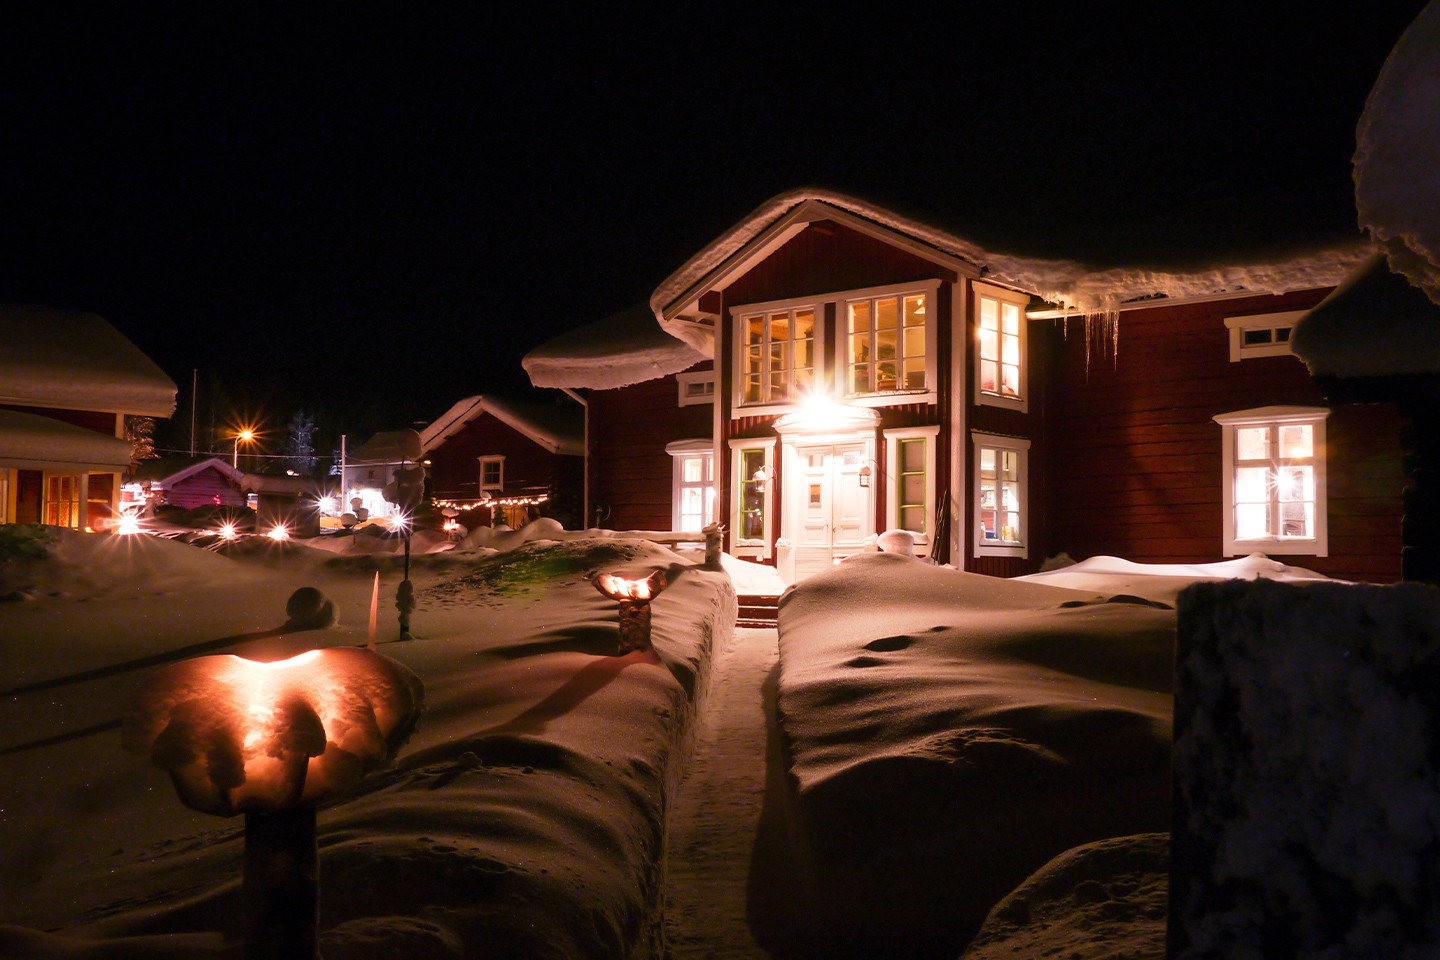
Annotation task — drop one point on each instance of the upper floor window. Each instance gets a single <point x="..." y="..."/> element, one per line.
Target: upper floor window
<point x="777" y="363"/>
<point x="1274" y="480"/>
<point x="1000" y="349"/>
<point x="696" y="387"/>
<point x="492" y="473"/>
<point x="1261" y="334"/>
<point x="887" y="343"/>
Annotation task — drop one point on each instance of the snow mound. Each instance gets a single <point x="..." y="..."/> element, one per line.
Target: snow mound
<point x="1162" y="582"/>
<point x="1100" y="901"/>
<point x="949" y="733"/>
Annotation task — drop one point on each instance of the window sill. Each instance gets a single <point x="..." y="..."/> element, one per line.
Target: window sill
<point x="1301" y="548"/>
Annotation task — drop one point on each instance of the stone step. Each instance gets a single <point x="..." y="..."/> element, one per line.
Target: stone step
<point x="757" y="611"/>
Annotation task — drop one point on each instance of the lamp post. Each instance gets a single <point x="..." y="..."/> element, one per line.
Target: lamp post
<point x="247" y="435"/>
<point x="273" y="741"/>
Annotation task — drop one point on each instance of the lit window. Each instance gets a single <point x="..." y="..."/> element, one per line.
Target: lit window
<point x="1262" y="334"/>
<point x="753" y="465"/>
<point x="1274" y="480"/>
<point x="1000" y="495"/>
<point x="886" y="344"/>
<point x="6" y="511"/>
<point x="778" y="359"/>
<point x="492" y="473"/>
<point x="693" y="493"/>
<point x="910" y="481"/>
<point x="1000" y="347"/>
<point x="62" y="500"/>
<point x="697" y="387"/>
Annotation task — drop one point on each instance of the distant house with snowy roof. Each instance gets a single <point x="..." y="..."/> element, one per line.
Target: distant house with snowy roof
<point x="829" y="368"/>
<point x="497" y="459"/>
<point x="189" y="482"/>
<point x="68" y="380"/>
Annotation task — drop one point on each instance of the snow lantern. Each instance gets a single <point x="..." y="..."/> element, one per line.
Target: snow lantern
<point x="634" y="597"/>
<point x="271" y="741"/>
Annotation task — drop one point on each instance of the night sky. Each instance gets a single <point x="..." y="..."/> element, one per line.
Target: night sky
<point x="373" y="214"/>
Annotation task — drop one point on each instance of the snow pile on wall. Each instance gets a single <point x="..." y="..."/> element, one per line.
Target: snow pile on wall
<point x="1307" y="771"/>
<point x="950" y="733"/>
<point x="1397" y="155"/>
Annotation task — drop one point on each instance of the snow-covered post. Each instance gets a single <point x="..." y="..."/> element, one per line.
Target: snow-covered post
<point x="634" y="597"/>
<point x="272" y="741"/>
<point x="714" y="541"/>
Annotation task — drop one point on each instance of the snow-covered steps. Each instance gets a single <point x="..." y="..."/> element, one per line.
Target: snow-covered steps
<point x="757" y="610"/>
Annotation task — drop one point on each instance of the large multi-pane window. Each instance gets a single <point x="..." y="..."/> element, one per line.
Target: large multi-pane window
<point x="693" y="487"/>
<point x="886" y="340"/>
<point x="1275" y="480"/>
<point x="1000" y="495"/>
<point x="62" y="500"/>
<point x="1000" y="347"/>
<point x="778" y="362"/>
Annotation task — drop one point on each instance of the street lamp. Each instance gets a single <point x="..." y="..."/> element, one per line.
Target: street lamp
<point x="247" y="435"/>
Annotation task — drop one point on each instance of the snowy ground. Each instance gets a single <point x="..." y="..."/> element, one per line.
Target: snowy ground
<point x="932" y="738"/>
<point x="525" y="818"/>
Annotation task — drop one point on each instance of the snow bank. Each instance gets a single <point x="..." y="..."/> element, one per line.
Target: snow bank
<point x="526" y="817"/>
<point x="1162" y="582"/>
<point x="949" y="733"/>
<point x="1306" y="771"/>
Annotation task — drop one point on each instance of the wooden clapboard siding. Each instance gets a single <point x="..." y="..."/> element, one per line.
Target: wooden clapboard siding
<point x="202" y="490"/>
<point x="630" y="473"/>
<point x="1137" y="457"/>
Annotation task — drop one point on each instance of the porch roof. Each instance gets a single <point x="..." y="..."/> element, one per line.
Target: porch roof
<point x="32" y="442"/>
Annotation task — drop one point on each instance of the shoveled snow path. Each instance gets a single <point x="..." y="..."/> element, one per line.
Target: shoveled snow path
<point x="713" y="823"/>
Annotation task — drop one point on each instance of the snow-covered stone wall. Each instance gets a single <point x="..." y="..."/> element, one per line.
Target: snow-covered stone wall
<point x="1307" y="772"/>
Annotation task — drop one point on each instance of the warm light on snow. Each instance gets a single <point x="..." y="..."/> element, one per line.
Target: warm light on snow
<point x="618" y="588"/>
<point x="128" y="523"/>
<point x="237" y="735"/>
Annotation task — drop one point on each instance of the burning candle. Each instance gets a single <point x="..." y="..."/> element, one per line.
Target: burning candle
<point x="634" y="597"/>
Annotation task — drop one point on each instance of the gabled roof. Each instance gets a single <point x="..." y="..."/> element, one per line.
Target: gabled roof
<point x="557" y="429"/>
<point x="77" y="361"/>
<point x="167" y="472"/>
<point x="623" y="348"/>
<point x="389" y="446"/>
<point x="32" y="442"/>
<point x="1092" y="286"/>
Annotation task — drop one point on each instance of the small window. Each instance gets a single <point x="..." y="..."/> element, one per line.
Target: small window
<point x="492" y="473"/>
<point x="62" y="500"/>
<point x="1000" y="334"/>
<point x="1001" y="495"/>
<point x="1261" y="335"/>
<point x="1274" y="481"/>
<point x="697" y="387"/>
<point x="752" y="462"/>
<point x="693" y="487"/>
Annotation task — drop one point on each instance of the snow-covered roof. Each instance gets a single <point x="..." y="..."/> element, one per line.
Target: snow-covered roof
<point x="1397" y="155"/>
<point x="624" y="348"/>
<point x="32" y="442"/>
<point x="389" y="446"/>
<point x="1375" y="324"/>
<point x="1088" y="286"/>
<point x="557" y="429"/>
<point x="167" y="472"/>
<point x="75" y="360"/>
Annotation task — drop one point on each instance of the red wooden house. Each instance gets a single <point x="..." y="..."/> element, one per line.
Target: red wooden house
<point x="68" y="380"/>
<point x="501" y="460"/>
<point x="873" y="371"/>
<point x="189" y="483"/>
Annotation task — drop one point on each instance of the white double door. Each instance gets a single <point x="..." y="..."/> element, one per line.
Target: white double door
<point x="828" y="513"/>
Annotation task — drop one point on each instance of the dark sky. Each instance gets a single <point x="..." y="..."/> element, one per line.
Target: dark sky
<point x="377" y="213"/>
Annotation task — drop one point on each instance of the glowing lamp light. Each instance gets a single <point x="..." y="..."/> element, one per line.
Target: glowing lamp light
<point x="227" y="531"/>
<point x="272" y="740"/>
<point x="634" y="597"/>
<point x="129" y="523"/>
<point x="398" y="522"/>
<point x="278" y="532"/>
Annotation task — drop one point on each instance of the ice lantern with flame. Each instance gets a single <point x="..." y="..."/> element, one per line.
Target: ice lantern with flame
<point x="634" y="597"/>
<point x="271" y="741"/>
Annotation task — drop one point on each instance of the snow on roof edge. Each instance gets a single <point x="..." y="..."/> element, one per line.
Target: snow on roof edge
<point x="622" y="349"/>
<point x="445" y="426"/>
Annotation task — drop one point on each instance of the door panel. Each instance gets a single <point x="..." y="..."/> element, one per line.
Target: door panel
<point x="830" y="514"/>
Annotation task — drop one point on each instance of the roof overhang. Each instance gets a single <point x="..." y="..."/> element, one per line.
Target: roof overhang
<point x="32" y="442"/>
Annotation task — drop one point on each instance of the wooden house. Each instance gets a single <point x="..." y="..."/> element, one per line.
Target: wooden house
<point x="189" y="483"/>
<point x="500" y="460"/>
<point x="68" y="381"/>
<point x="838" y="369"/>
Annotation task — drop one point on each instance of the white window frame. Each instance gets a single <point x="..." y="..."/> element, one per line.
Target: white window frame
<point x="681" y="451"/>
<point x="1021" y="447"/>
<point x="1319" y="544"/>
<point x="1020" y="301"/>
<point x="7" y="491"/>
<point x="696" y="387"/>
<point x="893" y="438"/>
<point x="1281" y="326"/>
<point x="483" y="462"/>
<point x="74" y="509"/>
<point x="749" y="546"/>
<point x="739" y="406"/>
<point x="840" y="355"/>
